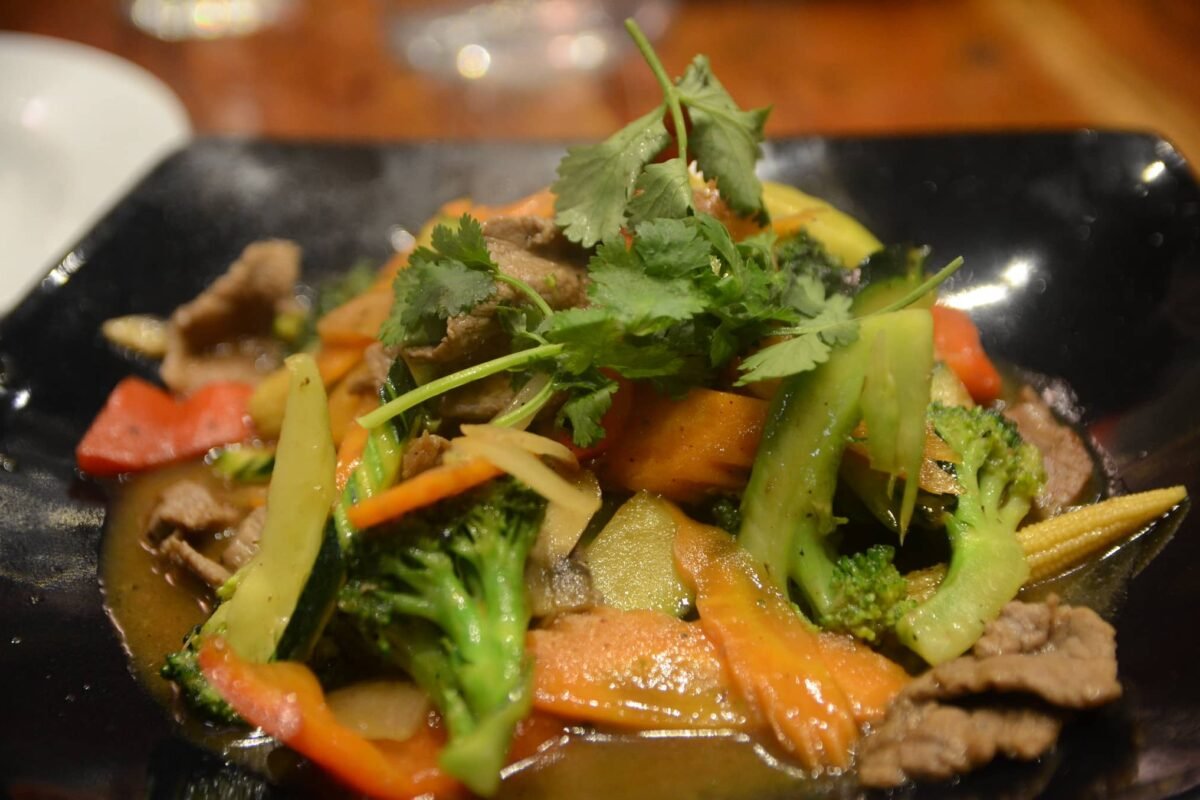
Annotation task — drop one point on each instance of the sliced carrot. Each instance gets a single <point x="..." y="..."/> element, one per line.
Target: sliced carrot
<point x="141" y="426"/>
<point x="538" y="204"/>
<point x="683" y="449"/>
<point x="355" y="322"/>
<point x="870" y="681"/>
<point x="350" y="453"/>
<point x="641" y="669"/>
<point x="956" y="342"/>
<point x="535" y="734"/>
<point x="285" y="700"/>
<point x="425" y="489"/>
<point x="387" y="273"/>
<point x="348" y="400"/>
<point x="334" y="362"/>
<point x="812" y="689"/>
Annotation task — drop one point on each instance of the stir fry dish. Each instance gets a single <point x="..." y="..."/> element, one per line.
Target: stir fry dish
<point x="661" y="447"/>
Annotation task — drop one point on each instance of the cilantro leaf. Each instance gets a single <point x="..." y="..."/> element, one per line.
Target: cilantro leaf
<point x="595" y="182"/>
<point x="674" y="248"/>
<point x="809" y="346"/>
<point x="464" y="243"/>
<point x="453" y="277"/>
<point x="725" y="139"/>
<point x="662" y="191"/>
<point x="591" y="397"/>
<point x="594" y="338"/>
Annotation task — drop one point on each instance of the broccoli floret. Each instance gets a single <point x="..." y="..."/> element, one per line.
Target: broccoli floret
<point x="183" y="667"/>
<point x="869" y="594"/>
<point x="999" y="475"/>
<point x="443" y="597"/>
<point x="787" y="511"/>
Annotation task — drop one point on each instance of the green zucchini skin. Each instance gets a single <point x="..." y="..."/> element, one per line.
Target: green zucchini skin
<point x="317" y="600"/>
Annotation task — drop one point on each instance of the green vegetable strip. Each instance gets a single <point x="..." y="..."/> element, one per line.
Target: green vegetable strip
<point x="376" y="471"/>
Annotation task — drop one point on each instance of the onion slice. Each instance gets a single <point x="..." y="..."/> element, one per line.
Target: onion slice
<point x="529" y="442"/>
<point x="529" y="469"/>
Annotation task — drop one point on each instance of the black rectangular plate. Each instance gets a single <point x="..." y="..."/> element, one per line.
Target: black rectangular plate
<point x="1086" y="246"/>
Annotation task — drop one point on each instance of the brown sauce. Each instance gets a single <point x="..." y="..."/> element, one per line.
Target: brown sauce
<point x="155" y="605"/>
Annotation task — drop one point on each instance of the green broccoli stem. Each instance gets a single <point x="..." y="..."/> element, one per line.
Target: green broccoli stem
<point x="986" y="571"/>
<point x="998" y="476"/>
<point x="445" y="600"/>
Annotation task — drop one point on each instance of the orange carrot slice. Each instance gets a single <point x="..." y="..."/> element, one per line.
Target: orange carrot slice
<point x="335" y="361"/>
<point x="956" y="341"/>
<point x="285" y="700"/>
<point x="812" y="689"/>
<point x="682" y="449"/>
<point x="425" y="489"/>
<point x="641" y="669"/>
<point x="355" y="322"/>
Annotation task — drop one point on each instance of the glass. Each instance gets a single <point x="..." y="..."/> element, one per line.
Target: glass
<point x="175" y="20"/>
<point x="520" y="44"/>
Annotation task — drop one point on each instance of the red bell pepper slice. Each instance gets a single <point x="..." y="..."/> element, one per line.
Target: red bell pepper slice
<point x="956" y="342"/>
<point x="141" y="426"/>
<point x="286" y="701"/>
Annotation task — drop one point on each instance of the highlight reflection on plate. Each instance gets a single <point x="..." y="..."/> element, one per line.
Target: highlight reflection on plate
<point x="77" y="127"/>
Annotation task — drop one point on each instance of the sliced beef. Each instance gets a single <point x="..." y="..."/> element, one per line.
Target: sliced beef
<point x="225" y="333"/>
<point x="1032" y="666"/>
<point x="423" y="453"/>
<point x="479" y="401"/>
<point x="1068" y="464"/>
<point x="378" y="359"/>
<point x="933" y="742"/>
<point x="176" y="549"/>
<point x="244" y="543"/>
<point x="531" y="249"/>
<point x="188" y="507"/>
<point x="1065" y="655"/>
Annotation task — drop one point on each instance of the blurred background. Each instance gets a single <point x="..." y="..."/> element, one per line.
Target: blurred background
<point x="551" y="69"/>
<point x="94" y="92"/>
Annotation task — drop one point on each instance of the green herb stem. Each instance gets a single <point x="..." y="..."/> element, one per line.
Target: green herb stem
<point x="670" y="93"/>
<point x="929" y="285"/>
<point x="527" y="290"/>
<point x="527" y="409"/>
<point x="461" y="378"/>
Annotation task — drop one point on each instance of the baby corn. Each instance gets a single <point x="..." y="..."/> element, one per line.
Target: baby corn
<point x="1060" y="542"/>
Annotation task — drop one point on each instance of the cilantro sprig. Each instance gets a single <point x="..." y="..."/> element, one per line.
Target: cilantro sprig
<point x="672" y="297"/>
<point x="450" y="278"/>
<point x="675" y="304"/>
<point x="603" y="187"/>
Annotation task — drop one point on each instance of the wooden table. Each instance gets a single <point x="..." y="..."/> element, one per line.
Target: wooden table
<point x="828" y="66"/>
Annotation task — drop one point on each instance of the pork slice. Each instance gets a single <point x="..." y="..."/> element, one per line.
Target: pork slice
<point x="531" y="249"/>
<point x="188" y="507"/>
<point x="176" y="548"/>
<point x="244" y="543"/>
<point x="1064" y="655"/>
<point x="225" y="332"/>
<point x="1068" y="464"/>
<point x="933" y="742"/>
